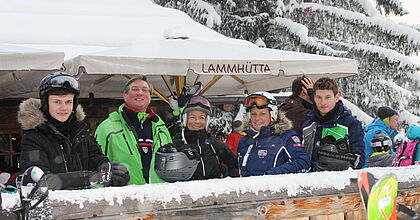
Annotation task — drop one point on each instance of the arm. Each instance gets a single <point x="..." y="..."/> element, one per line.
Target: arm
<point x="357" y="146"/>
<point x="96" y="157"/>
<point x="298" y="160"/>
<point x="33" y="153"/>
<point x="227" y="157"/>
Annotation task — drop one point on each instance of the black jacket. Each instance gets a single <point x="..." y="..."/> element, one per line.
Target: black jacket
<point x="212" y="153"/>
<point x="44" y="146"/>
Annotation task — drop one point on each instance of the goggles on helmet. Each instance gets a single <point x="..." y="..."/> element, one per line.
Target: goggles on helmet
<point x="63" y="81"/>
<point x="258" y="101"/>
<point x="199" y="101"/>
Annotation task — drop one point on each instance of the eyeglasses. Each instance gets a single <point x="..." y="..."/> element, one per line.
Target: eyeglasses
<point x="138" y="90"/>
<point x="258" y="101"/>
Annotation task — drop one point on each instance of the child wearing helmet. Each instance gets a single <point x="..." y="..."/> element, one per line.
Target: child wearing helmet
<point x="58" y="142"/>
<point x="270" y="146"/>
<point x="194" y="137"/>
<point x="381" y="145"/>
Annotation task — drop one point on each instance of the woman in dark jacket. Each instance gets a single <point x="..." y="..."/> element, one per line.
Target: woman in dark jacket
<point x="209" y="150"/>
<point x="56" y="140"/>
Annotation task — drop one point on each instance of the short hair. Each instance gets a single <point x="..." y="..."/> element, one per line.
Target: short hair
<point x="141" y="77"/>
<point x="297" y="86"/>
<point x="326" y="83"/>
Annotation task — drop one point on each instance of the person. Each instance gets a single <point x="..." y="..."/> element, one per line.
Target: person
<point x="381" y="146"/>
<point x="133" y="134"/>
<point x="387" y="121"/>
<point x="57" y="141"/>
<point x="298" y="105"/>
<point x="269" y="146"/>
<point x="238" y="125"/>
<point x="197" y="143"/>
<point x="332" y="137"/>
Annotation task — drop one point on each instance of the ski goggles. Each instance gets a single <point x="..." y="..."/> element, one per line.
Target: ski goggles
<point x="258" y="101"/>
<point x="63" y="81"/>
<point x="199" y="101"/>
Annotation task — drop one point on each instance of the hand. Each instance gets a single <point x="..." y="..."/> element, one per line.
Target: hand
<point x="191" y="153"/>
<point x="110" y="174"/>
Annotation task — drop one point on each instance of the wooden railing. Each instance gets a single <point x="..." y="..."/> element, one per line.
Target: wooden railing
<point x="324" y="195"/>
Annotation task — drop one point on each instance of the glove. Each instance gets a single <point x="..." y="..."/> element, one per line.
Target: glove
<point x="110" y="174"/>
<point x="191" y="153"/>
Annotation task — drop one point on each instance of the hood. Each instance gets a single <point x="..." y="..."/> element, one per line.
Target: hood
<point x="282" y="124"/>
<point x="30" y="116"/>
<point x="378" y="124"/>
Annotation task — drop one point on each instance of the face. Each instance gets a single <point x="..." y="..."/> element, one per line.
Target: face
<point x="260" y="117"/>
<point x="394" y="122"/>
<point x="325" y="100"/>
<point x="138" y="96"/>
<point x="196" y="120"/>
<point x="60" y="106"/>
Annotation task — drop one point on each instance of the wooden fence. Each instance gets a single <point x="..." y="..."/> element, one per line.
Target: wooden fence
<point x="324" y="195"/>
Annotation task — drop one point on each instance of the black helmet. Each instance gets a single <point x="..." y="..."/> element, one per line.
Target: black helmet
<point x="172" y="166"/>
<point x="196" y="103"/>
<point x="58" y="81"/>
<point x="380" y="142"/>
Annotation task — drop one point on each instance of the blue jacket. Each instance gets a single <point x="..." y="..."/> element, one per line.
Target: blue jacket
<point x="343" y="118"/>
<point x="275" y="150"/>
<point x="371" y="129"/>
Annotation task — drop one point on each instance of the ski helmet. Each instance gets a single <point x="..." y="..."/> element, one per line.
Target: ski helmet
<point x="56" y="81"/>
<point x="196" y="103"/>
<point x="172" y="166"/>
<point x="380" y="142"/>
<point x="262" y="100"/>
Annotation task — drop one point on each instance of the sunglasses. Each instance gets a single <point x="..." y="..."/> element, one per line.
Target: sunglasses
<point x="258" y="101"/>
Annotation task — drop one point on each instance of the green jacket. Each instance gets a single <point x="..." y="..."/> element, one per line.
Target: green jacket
<point x="118" y="143"/>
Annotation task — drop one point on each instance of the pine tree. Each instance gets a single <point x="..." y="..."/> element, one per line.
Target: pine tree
<point x="355" y="29"/>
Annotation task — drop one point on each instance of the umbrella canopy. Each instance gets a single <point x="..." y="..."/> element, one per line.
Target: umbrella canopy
<point x="106" y="41"/>
<point x="226" y="67"/>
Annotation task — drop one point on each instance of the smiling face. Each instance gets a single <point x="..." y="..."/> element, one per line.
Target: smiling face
<point x="138" y="96"/>
<point x="260" y="117"/>
<point x="196" y="120"/>
<point x="325" y="100"/>
<point x="60" y="107"/>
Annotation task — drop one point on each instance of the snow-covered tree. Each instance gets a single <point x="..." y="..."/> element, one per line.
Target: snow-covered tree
<point x="355" y="29"/>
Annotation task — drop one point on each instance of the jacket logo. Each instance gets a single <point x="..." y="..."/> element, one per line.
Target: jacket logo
<point x="262" y="153"/>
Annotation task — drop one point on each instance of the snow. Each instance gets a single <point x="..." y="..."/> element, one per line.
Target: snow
<point x="163" y="193"/>
<point x="357" y="112"/>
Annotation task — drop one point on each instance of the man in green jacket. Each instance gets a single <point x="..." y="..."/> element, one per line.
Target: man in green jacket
<point x="133" y="134"/>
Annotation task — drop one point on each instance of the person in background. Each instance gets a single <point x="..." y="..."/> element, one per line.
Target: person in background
<point x="269" y="146"/>
<point x="387" y="122"/>
<point x="57" y="141"/>
<point x="238" y="126"/>
<point x="332" y="137"/>
<point x="209" y="151"/>
<point x="298" y="105"/>
<point x="133" y="134"/>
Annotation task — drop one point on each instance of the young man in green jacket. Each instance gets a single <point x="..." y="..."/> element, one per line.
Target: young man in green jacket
<point x="133" y="134"/>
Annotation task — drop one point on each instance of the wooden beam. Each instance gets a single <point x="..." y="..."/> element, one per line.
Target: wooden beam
<point x="179" y="83"/>
<point x="238" y="79"/>
<point x="171" y="90"/>
<point x="103" y="79"/>
<point x="211" y="83"/>
<point x="159" y="93"/>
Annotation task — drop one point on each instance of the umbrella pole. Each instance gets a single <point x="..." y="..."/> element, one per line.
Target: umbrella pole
<point x="211" y="83"/>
